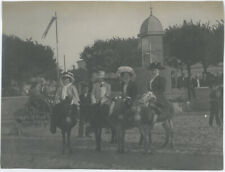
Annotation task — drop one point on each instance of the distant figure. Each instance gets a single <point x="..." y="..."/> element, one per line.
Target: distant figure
<point x="182" y="81"/>
<point x="173" y="79"/>
<point x="193" y="85"/>
<point x="198" y="81"/>
<point x="85" y="110"/>
<point x="25" y="89"/>
<point x="214" y="101"/>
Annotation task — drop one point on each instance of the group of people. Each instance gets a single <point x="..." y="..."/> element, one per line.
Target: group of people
<point x="206" y="80"/>
<point x="98" y="96"/>
<point x="195" y="81"/>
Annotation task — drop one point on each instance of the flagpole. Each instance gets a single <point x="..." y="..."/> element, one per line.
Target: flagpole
<point x="57" y="46"/>
<point x="64" y="62"/>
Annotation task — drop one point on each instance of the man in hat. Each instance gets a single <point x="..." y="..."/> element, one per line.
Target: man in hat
<point x="100" y="95"/>
<point x="215" y="102"/>
<point x="101" y="92"/>
<point x="66" y="89"/>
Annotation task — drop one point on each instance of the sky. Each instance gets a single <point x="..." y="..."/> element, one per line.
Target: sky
<point x="81" y="23"/>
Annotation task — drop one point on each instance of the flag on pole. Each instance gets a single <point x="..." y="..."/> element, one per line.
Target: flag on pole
<point x="48" y="27"/>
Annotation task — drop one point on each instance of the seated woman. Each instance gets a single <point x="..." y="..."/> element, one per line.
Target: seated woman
<point x="66" y="90"/>
<point x="157" y="85"/>
<point x="127" y="86"/>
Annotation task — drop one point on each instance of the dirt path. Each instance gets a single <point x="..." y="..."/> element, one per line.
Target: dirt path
<point x="197" y="147"/>
<point x="46" y="153"/>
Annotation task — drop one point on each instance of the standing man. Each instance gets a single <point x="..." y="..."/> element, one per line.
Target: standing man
<point x="215" y="104"/>
<point x="194" y="85"/>
<point x="85" y="110"/>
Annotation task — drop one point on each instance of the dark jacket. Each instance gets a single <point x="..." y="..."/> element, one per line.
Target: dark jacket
<point x="85" y="100"/>
<point x="131" y="90"/>
<point x="85" y="106"/>
<point x="158" y="85"/>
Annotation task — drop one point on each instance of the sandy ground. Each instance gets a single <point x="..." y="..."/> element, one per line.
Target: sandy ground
<point x="197" y="146"/>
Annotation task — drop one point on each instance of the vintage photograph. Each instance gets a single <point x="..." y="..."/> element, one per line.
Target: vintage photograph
<point x="112" y="85"/>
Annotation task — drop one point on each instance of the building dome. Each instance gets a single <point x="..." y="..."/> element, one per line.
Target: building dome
<point x="151" y="26"/>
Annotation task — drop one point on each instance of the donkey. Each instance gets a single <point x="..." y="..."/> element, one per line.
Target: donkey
<point x="99" y="119"/>
<point x="141" y="115"/>
<point x="64" y="117"/>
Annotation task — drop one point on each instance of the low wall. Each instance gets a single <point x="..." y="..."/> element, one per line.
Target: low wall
<point x="10" y="105"/>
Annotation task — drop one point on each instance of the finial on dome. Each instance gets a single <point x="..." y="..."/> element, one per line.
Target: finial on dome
<point x="150" y="10"/>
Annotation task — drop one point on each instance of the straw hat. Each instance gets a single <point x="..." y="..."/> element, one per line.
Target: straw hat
<point x="68" y="75"/>
<point x="125" y="69"/>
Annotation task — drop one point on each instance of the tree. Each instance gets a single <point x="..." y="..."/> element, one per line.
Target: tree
<point x="22" y="60"/>
<point x="192" y="43"/>
<point x="211" y="47"/>
<point x="182" y="43"/>
<point x="110" y="54"/>
<point x="218" y="41"/>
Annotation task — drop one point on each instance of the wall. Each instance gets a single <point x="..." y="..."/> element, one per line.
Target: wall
<point x="9" y="106"/>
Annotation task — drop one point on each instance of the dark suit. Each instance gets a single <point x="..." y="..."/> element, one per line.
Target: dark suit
<point x="215" y="107"/>
<point x="131" y="90"/>
<point x="85" y="107"/>
<point x="158" y="86"/>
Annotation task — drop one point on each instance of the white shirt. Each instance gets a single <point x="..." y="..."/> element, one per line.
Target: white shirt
<point x="151" y="81"/>
<point x="125" y="89"/>
<point x="64" y="90"/>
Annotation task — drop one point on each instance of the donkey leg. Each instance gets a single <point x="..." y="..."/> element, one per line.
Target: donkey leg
<point x="141" y="140"/>
<point x="166" y="128"/>
<point x="150" y="139"/>
<point x="122" y="140"/>
<point x="113" y="137"/>
<point x="63" y="141"/>
<point x="100" y="139"/>
<point x="97" y="138"/>
<point x="171" y="134"/>
<point x="144" y="138"/>
<point x="118" y="136"/>
<point x="68" y="140"/>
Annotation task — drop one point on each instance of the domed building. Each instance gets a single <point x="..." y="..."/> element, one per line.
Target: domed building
<point x="151" y="40"/>
<point x="151" y="47"/>
<point x="151" y="26"/>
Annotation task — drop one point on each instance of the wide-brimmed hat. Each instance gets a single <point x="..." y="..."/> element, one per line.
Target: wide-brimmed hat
<point x="125" y="69"/>
<point x="68" y="75"/>
<point x="101" y="74"/>
<point x="155" y="65"/>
